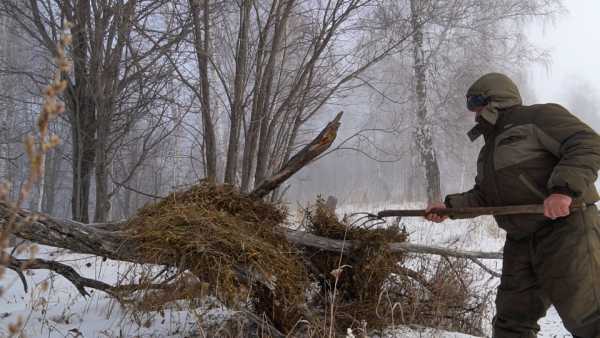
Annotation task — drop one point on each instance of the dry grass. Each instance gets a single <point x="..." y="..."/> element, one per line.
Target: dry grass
<point x="356" y="278"/>
<point x="374" y="287"/>
<point x="230" y="245"/>
<point x="225" y="239"/>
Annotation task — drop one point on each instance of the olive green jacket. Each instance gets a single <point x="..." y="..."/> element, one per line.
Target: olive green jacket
<point x="529" y="153"/>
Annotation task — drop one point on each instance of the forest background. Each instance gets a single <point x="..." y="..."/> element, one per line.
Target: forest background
<point x="166" y="93"/>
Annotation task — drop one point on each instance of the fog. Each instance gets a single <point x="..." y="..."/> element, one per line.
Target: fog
<point x="571" y="78"/>
<point x="398" y="72"/>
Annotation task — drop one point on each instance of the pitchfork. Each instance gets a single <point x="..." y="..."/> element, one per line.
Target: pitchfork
<point x="370" y="220"/>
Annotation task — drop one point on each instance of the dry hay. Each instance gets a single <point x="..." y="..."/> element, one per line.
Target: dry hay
<point x="217" y="233"/>
<point x="362" y="274"/>
<point x="375" y="289"/>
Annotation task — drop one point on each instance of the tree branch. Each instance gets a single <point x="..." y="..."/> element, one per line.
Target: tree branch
<point x="321" y="143"/>
<point x="485" y="268"/>
<point x="18" y="265"/>
<point x="328" y="244"/>
<point x="111" y="241"/>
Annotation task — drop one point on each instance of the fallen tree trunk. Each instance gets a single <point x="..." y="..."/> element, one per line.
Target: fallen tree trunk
<point x="116" y="244"/>
<point x="328" y="244"/>
<point x="82" y="238"/>
<point x="112" y="241"/>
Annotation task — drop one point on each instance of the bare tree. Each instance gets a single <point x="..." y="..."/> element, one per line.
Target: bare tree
<point x="423" y="133"/>
<point x="202" y="39"/>
<point x="117" y="78"/>
<point x="454" y="43"/>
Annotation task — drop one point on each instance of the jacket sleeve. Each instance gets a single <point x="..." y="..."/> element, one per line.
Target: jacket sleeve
<point x="575" y="144"/>
<point x="468" y="199"/>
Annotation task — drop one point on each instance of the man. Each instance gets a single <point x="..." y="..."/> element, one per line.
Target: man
<point x="532" y="155"/>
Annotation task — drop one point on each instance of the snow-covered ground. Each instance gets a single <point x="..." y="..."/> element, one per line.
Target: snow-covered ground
<point x="53" y="307"/>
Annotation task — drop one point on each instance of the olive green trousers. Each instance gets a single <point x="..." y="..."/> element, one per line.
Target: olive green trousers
<point x="558" y="265"/>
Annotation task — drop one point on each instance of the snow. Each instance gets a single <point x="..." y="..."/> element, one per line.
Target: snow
<point x="424" y="333"/>
<point x="53" y="307"/>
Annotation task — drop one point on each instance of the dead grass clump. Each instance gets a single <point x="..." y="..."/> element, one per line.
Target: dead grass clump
<point x="231" y="246"/>
<point x="441" y="293"/>
<point x="359" y="277"/>
<point x="226" y="238"/>
<point x="455" y="303"/>
<point x="370" y="286"/>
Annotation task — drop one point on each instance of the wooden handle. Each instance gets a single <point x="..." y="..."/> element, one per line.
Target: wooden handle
<point x="528" y="209"/>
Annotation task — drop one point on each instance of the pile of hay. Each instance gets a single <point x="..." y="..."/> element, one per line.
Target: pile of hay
<point x="220" y="234"/>
<point x="377" y="290"/>
<point x="362" y="274"/>
<point x="232" y="247"/>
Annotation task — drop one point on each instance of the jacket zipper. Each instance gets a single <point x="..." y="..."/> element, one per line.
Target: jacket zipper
<point x="492" y="166"/>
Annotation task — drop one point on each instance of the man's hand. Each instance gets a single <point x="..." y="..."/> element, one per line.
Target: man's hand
<point x="557" y="205"/>
<point x="432" y="216"/>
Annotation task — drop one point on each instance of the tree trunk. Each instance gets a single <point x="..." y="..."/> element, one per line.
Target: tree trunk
<point x="282" y="14"/>
<point x="107" y="82"/>
<point x="423" y="133"/>
<point x="52" y="173"/>
<point x="126" y="205"/>
<point x="84" y="153"/>
<point x="249" y="155"/>
<point x="202" y="49"/>
<point x="237" y="110"/>
<point x="263" y="152"/>
<point x="102" y="209"/>
<point x="257" y="114"/>
<point x="80" y="101"/>
<point x="41" y="186"/>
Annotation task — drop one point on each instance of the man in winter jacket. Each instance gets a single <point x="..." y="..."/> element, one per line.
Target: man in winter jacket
<point x="532" y="155"/>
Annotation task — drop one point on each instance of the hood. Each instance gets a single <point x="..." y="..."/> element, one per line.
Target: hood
<point x="501" y="90"/>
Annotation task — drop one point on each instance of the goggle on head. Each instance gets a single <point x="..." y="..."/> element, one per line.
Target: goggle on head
<point x="476" y="101"/>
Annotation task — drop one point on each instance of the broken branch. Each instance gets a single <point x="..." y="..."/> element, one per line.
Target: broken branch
<point x="18" y="265"/>
<point x="316" y="147"/>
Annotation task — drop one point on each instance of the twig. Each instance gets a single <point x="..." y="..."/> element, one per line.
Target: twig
<point x="485" y="268"/>
<point x="19" y="272"/>
<point x="416" y="276"/>
<point x="264" y="324"/>
<point x="18" y="265"/>
<point x="337" y="273"/>
<point x="458" y="275"/>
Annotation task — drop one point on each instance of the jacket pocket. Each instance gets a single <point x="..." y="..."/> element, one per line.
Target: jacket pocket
<point x="511" y="139"/>
<point x="515" y="146"/>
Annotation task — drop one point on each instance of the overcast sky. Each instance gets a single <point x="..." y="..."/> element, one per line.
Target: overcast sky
<point x="574" y="42"/>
